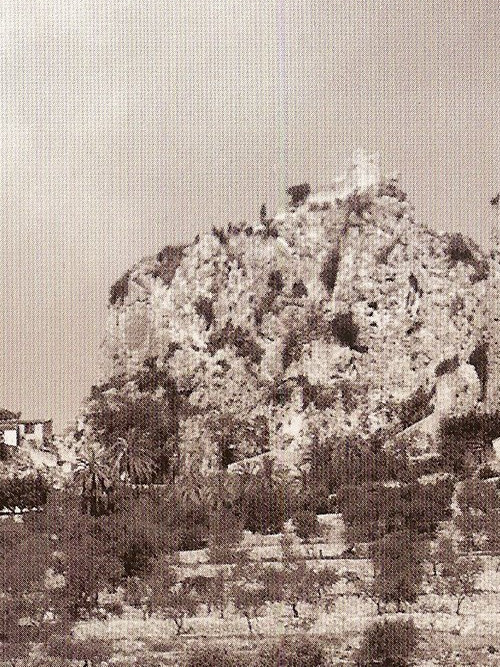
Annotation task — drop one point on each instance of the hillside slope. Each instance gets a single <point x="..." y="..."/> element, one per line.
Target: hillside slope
<point x="341" y="316"/>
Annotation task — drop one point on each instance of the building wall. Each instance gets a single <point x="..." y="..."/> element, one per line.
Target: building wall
<point x="9" y="436"/>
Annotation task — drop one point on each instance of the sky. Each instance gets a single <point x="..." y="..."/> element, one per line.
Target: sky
<point x="127" y="125"/>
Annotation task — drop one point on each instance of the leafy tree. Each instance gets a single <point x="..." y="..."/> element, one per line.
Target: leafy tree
<point x="264" y="500"/>
<point x="458" y="575"/>
<point x="249" y="601"/>
<point x="397" y="561"/>
<point x="478" y="501"/>
<point x="297" y="583"/>
<point x="171" y="601"/>
<point x="306" y="524"/>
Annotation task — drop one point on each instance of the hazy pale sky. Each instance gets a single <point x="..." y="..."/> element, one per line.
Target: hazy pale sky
<point x="130" y="124"/>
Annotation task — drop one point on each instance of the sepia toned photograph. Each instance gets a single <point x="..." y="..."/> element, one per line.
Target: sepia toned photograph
<point x="250" y="333"/>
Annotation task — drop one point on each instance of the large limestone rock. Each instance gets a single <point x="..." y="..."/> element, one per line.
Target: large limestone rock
<point x="322" y="321"/>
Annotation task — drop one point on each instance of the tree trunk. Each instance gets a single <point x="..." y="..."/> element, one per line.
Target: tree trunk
<point x="294" y="609"/>
<point x="179" y="622"/>
<point x="249" y="623"/>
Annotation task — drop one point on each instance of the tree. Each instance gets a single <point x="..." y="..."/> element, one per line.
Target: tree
<point x="94" y="480"/>
<point x="131" y="458"/>
<point x="458" y="575"/>
<point x="478" y="501"/>
<point x="397" y="561"/>
<point x="88" y="568"/>
<point x="169" y="598"/>
<point x="249" y="600"/>
<point x="295" y="583"/>
<point x="265" y="500"/>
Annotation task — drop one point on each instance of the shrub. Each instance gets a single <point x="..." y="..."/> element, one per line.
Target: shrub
<point x="220" y="234"/>
<point x="415" y="408"/>
<point x="328" y="275"/>
<point x="447" y="366"/>
<point x="119" y="289"/>
<point x="275" y="281"/>
<point x="205" y="309"/>
<point x="295" y="651"/>
<point x="241" y="340"/>
<point x="26" y="493"/>
<point x="487" y="472"/>
<point x="458" y="249"/>
<point x="299" y="290"/>
<point x="213" y="655"/>
<point x="345" y="330"/>
<point x="479" y="359"/>
<point x="167" y="262"/>
<point x="306" y="524"/>
<point x="298" y="193"/>
<point x="388" y="643"/>
<point x="91" y="649"/>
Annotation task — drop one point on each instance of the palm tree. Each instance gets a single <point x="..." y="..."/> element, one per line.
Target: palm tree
<point x="131" y="458"/>
<point x="94" y="479"/>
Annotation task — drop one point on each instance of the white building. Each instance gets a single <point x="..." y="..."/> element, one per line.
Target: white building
<point x="36" y="431"/>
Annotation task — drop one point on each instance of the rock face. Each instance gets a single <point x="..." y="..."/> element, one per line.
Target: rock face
<point x="340" y="317"/>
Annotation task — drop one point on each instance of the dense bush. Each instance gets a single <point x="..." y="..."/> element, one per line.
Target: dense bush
<point x="306" y="524"/>
<point x="375" y="510"/>
<point x="26" y="493"/>
<point x="214" y="655"/>
<point x="295" y="651"/>
<point x="466" y="441"/>
<point x="388" y="643"/>
<point x="95" y="650"/>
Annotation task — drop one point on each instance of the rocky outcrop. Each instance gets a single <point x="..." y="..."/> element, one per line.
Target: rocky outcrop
<point x="336" y="318"/>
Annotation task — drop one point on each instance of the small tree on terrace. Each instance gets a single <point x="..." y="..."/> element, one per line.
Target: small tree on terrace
<point x="249" y="599"/>
<point x="167" y="597"/>
<point x="458" y="574"/>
